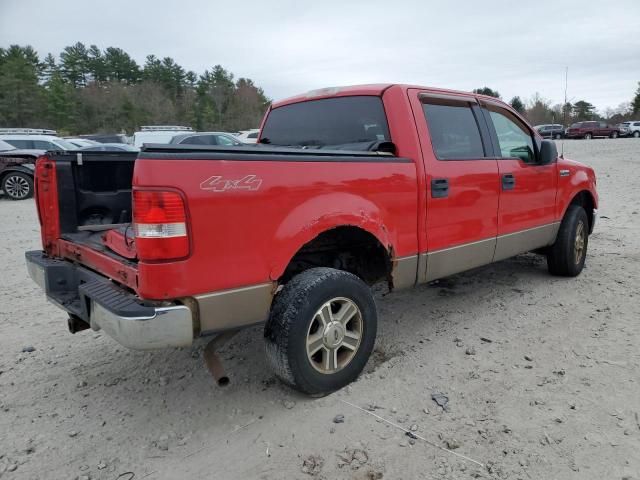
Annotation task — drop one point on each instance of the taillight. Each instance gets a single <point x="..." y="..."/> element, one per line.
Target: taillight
<point x="160" y="225"/>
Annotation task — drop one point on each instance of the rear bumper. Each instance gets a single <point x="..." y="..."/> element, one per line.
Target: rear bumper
<point x="130" y="321"/>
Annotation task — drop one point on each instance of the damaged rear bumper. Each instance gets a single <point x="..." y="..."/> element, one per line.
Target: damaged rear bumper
<point x="102" y="304"/>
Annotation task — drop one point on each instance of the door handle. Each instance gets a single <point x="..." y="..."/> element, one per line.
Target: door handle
<point x="439" y="187"/>
<point x="508" y="181"/>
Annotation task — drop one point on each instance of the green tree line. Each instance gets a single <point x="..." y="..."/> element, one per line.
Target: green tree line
<point x="539" y="110"/>
<point x="89" y="90"/>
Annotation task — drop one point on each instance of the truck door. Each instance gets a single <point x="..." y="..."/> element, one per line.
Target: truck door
<point x="461" y="180"/>
<point x="526" y="218"/>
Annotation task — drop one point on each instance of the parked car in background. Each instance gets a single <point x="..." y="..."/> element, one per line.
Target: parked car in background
<point x="110" y="147"/>
<point x="17" y="170"/>
<point x="553" y="130"/>
<point x="157" y="134"/>
<point x="591" y="129"/>
<point x="81" y="142"/>
<point x="248" y="136"/>
<point x="206" y="138"/>
<point x="31" y="138"/>
<point x="630" y="129"/>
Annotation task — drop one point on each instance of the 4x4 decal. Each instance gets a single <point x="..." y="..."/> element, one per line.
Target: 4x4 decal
<point x="219" y="184"/>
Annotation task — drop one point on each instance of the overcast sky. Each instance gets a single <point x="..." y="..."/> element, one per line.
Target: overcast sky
<point x="289" y="47"/>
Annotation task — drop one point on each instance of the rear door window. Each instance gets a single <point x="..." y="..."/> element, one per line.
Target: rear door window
<point x="222" y="140"/>
<point x="454" y="131"/>
<point x="44" y="145"/>
<point x="348" y="123"/>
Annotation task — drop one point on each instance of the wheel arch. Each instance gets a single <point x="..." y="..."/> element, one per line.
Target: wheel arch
<point x="585" y="199"/>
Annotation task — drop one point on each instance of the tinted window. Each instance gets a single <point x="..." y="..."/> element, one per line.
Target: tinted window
<point x="209" y="139"/>
<point x="42" y="145"/>
<point x="514" y="138"/>
<point x="21" y="143"/>
<point x="195" y="140"/>
<point x="454" y="131"/>
<point x="343" y="122"/>
<point x="222" y="140"/>
<point x="253" y="135"/>
<point x="636" y="124"/>
<point x="603" y="124"/>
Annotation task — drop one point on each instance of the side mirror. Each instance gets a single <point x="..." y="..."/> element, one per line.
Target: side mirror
<point x="548" y="152"/>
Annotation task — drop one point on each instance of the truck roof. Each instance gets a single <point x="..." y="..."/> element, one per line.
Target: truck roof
<point x="376" y="89"/>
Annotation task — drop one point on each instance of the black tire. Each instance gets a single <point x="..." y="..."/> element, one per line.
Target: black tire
<point x="588" y="136"/>
<point x="636" y="134"/>
<point x="614" y="135"/>
<point x="564" y="257"/>
<point x="17" y="185"/>
<point x="293" y="314"/>
<point x="558" y="136"/>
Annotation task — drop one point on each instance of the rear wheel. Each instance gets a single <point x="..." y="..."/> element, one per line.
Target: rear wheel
<point x="636" y="134"/>
<point x="588" y="136"/>
<point x="17" y="185"/>
<point x="321" y="330"/>
<point x="566" y="257"/>
<point x="614" y="135"/>
<point x="558" y="136"/>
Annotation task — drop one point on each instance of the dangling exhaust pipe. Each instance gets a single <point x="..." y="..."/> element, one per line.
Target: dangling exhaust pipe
<point x="213" y="362"/>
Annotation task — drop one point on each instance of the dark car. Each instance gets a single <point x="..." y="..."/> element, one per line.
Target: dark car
<point x="591" y="129"/>
<point x="16" y="170"/>
<point x="110" y="147"/>
<point x="553" y="130"/>
<point x="206" y="138"/>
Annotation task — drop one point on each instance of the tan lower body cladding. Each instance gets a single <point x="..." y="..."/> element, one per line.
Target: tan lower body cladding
<point x="234" y="308"/>
<point x="441" y="263"/>
<point x="241" y="307"/>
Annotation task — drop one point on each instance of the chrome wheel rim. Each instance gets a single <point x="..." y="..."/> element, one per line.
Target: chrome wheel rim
<point x="16" y="186"/>
<point x="334" y="335"/>
<point x="580" y="243"/>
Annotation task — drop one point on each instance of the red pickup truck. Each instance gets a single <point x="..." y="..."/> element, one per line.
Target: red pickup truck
<point x="346" y="187"/>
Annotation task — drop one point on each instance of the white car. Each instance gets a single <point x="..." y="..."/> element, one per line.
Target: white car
<point x="34" y="139"/>
<point x="630" y="129"/>
<point x="248" y="136"/>
<point x="157" y="134"/>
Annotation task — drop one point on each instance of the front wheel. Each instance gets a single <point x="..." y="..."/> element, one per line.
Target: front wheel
<point x="588" y="136"/>
<point x="558" y="136"/>
<point x="17" y="185"/>
<point x="636" y="134"/>
<point x="321" y="330"/>
<point x="614" y="135"/>
<point x="567" y="255"/>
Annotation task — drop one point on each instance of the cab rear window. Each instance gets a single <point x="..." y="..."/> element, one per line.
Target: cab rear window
<point x="347" y="123"/>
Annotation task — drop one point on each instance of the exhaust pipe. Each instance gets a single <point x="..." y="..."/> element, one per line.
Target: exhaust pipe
<point x="212" y="360"/>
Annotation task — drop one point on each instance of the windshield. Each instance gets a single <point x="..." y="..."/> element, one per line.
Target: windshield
<point x="4" y="146"/>
<point x="347" y="123"/>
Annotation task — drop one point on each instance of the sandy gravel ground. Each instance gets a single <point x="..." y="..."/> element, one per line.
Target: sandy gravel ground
<point x="553" y="392"/>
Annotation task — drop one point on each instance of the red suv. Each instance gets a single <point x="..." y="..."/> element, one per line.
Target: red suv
<point x="588" y="130"/>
